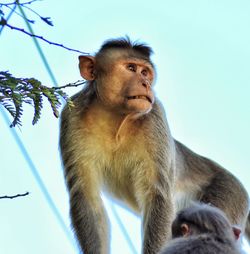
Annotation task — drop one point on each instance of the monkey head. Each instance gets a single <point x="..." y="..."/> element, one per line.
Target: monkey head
<point x="122" y="76"/>
<point x="202" y="218"/>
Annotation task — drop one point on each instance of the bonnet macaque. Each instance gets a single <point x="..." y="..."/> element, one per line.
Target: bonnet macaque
<point x="116" y="139"/>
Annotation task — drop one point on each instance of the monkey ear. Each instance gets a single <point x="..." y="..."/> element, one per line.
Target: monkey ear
<point x="185" y="230"/>
<point x="87" y="66"/>
<point x="236" y="231"/>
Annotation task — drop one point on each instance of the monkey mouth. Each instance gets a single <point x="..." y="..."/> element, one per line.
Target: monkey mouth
<point x="142" y="97"/>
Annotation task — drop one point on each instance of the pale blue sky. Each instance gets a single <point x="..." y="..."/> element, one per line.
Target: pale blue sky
<point x="202" y="55"/>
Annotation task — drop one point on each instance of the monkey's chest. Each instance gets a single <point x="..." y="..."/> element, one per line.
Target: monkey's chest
<point x="118" y="162"/>
<point x="118" y="167"/>
<point x="121" y="172"/>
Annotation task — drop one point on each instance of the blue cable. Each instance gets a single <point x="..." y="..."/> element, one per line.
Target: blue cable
<point x="37" y="176"/>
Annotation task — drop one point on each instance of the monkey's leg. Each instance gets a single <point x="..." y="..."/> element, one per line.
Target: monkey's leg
<point x="88" y="216"/>
<point x="158" y="216"/>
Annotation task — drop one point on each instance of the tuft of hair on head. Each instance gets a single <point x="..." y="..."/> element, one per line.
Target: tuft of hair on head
<point x="125" y="43"/>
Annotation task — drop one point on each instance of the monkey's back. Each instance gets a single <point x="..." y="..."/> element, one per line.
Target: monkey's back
<point x="202" y="179"/>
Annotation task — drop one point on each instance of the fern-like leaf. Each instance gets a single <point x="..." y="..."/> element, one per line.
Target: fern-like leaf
<point x="38" y="104"/>
<point x="8" y="106"/>
<point x="16" y="91"/>
<point x="53" y="100"/>
<point x="17" y="101"/>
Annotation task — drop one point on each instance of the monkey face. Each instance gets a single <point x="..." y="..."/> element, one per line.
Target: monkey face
<point x="127" y="86"/>
<point x="138" y="92"/>
<point x="123" y="82"/>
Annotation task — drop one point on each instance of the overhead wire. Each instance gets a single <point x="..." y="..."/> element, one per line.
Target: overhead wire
<point x="39" y="49"/>
<point x="37" y="177"/>
<point x="122" y="227"/>
<point x="8" y="17"/>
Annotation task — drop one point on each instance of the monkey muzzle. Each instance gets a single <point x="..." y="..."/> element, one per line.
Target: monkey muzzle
<point x="142" y="97"/>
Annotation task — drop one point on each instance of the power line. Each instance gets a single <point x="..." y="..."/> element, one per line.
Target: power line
<point x="10" y="14"/>
<point x="123" y="229"/>
<point x="37" y="177"/>
<point x="45" y="62"/>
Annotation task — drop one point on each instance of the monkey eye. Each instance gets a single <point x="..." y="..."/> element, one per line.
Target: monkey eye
<point x="144" y="72"/>
<point x="131" y="67"/>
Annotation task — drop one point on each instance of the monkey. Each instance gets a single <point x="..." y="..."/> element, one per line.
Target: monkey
<point x="202" y="229"/>
<point x="116" y="140"/>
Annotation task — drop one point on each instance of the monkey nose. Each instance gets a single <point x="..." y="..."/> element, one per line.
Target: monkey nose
<point x="146" y="84"/>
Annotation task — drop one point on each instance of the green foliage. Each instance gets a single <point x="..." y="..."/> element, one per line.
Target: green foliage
<point x="16" y="91"/>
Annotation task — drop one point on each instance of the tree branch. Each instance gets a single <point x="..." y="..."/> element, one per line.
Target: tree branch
<point x="15" y="196"/>
<point x="16" y="2"/>
<point x="3" y="22"/>
<point x="75" y="84"/>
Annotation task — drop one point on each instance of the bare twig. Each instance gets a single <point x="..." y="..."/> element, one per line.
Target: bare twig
<point x="75" y="84"/>
<point x="13" y="9"/>
<point x="15" y="196"/>
<point x="16" y="2"/>
<point x="3" y="22"/>
<point x="32" y="11"/>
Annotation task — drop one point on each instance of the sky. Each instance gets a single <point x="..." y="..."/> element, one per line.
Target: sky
<point x="202" y="56"/>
